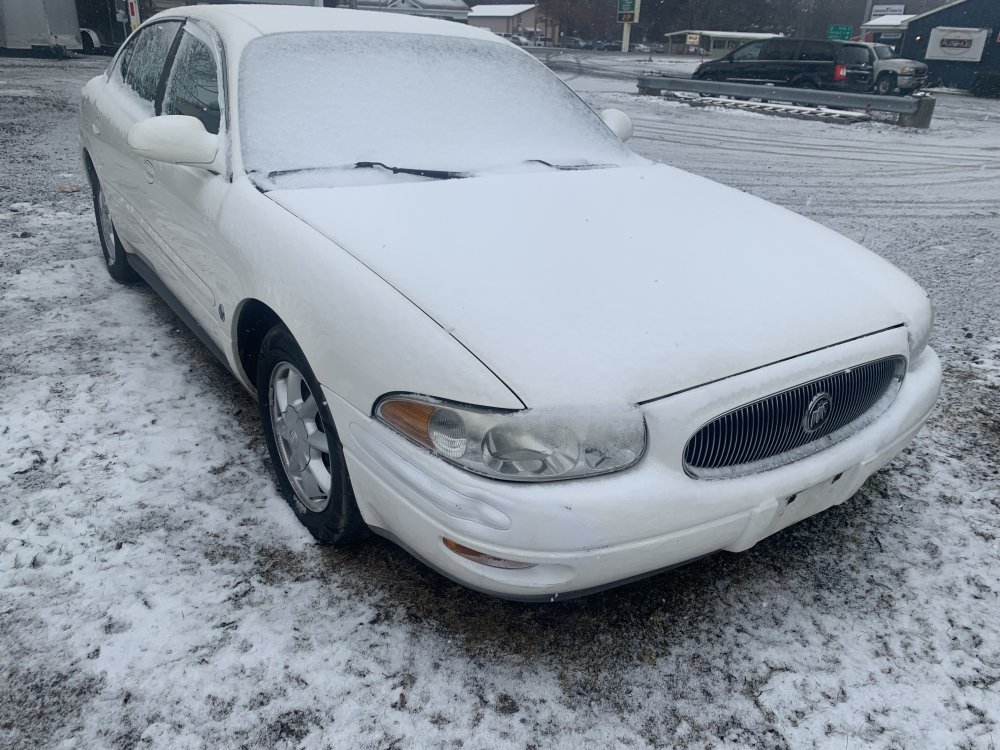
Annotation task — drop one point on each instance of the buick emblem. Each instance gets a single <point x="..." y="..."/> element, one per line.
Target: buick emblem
<point x="817" y="413"/>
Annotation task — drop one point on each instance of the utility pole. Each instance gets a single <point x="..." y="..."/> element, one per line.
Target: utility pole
<point x="868" y="12"/>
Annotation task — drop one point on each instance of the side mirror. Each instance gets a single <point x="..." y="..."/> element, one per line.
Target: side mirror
<point x="175" y="139"/>
<point x="619" y="123"/>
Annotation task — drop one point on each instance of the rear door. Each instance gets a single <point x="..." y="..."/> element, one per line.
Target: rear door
<point x="816" y="62"/>
<point x="779" y="64"/>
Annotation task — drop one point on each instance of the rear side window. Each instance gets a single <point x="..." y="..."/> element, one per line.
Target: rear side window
<point x="193" y="86"/>
<point x="854" y="54"/>
<point x="145" y="66"/>
<point x="781" y="49"/>
<point x="816" y="52"/>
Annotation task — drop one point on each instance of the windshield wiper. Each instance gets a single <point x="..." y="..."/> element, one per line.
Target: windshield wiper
<point x="436" y="174"/>
<point x="568" y="167"/>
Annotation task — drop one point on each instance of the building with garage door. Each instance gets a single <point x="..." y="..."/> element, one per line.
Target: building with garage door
<point x="958" y="42"/>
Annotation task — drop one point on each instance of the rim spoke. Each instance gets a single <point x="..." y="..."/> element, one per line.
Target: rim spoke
<point x="281" y="395"/>
<point x="319" y="475"/>
<point x="293" y="384"/>
<point x="308" y="485"/>
<point x="318" y="441"/>
<point x="281" y="427"/>
<point x="308" y="409"/>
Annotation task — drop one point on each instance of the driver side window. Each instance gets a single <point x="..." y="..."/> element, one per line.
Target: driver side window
<point x="144" y="68"/>
<point x="748" y="52"/>
<point x="193" y="86"/>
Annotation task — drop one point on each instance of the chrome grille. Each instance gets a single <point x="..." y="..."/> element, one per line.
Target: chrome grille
<point x="789" y="425"/>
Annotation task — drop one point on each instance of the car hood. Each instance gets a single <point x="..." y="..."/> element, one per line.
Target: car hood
<point x="615" y="284"/>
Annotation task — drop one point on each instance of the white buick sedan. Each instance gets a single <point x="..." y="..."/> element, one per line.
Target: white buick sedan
<point x="417" y="247"/>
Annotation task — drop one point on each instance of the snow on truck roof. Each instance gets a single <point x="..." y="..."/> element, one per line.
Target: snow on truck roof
<point x="279" y="19"/>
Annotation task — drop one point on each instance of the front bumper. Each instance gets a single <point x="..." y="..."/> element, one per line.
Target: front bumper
<point x="586" y="534"/>
<point x="911" y="82"/>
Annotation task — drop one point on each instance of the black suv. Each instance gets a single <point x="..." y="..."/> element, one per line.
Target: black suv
<point x="802" y="63"/>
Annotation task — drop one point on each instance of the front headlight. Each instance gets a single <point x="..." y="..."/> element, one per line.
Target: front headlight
<point x="906" y="70"/>
<point x="918" y="331"/>
<point x="521" y="446"/>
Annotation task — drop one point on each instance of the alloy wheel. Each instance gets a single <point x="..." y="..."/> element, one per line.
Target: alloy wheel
<point x="301" y="438"/>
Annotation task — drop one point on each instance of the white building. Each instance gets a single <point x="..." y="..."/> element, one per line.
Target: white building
<point x="523" y="19"/>
<point x="452" y="10"/>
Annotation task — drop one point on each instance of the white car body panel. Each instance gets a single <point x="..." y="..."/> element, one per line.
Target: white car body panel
<point x="438" y="301"/>
<point x="533" y="311"/>
<point x="586" y="533"/>
<point x="371" y="340"/>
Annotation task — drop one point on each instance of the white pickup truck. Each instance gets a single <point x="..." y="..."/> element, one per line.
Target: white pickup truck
<point x="893" y="72"/>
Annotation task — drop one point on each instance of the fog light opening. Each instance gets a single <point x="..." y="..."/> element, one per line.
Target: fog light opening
<point x="482" y="558"/>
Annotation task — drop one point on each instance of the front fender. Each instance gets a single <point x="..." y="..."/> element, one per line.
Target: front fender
<point x="361" y="336"/>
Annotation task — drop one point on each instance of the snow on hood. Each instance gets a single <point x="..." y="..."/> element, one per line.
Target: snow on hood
<point x="613" y="284"/>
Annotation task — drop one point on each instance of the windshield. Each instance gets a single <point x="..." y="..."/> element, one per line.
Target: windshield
<point x="884" y="52"/>
<point x="325" y="101"/>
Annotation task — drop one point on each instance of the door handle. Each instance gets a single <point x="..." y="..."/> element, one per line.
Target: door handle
<point x="148" y="171"/>
<point x="96" y="127"/>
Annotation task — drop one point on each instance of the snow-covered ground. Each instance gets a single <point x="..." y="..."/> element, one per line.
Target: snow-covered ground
<point x="155" y="591"/>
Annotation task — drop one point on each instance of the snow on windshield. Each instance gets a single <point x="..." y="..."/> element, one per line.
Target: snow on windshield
<point x="332" y="99"/>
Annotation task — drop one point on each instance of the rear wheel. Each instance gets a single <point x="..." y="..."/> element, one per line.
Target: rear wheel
<point x="115" y="258"/>
<point x="305" y="449"/>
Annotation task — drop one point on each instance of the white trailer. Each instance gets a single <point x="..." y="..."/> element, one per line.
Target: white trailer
<point x="44" y="25"/>
<point x="140" y="10"/>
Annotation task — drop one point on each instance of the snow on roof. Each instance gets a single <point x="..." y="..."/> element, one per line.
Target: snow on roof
<point x="725" y="34"/>
<point x="443" y="4"/>
<point x="277" y="19"/>
<point x="499" y="11"/>
<point x="887" y="21"/>
<point x="459" y="5"/>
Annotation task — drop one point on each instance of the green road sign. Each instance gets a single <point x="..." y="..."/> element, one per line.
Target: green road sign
<point x="840" y="31"/>
<point x="626" y="11"/>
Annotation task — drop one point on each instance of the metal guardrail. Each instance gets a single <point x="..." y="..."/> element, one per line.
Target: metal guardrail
<point x="913" y="111"/>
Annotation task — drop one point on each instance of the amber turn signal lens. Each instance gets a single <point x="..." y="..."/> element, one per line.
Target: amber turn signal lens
<point x="482" y="558"/>
<point x="412" y="418"/>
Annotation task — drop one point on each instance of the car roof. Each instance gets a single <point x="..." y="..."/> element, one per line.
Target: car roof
<point x="838" y="42"/>
<point x="259" y="20"/>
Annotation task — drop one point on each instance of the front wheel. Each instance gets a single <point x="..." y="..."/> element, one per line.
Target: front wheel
<point x="305" y="449"/>
<point x="886" y="84"/>
<point x="115" y="258"/>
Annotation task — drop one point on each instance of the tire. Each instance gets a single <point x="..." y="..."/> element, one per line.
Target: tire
<point x="305" y="450"/>
<point x="886" y="84"/>
<point x="115" y="258"/>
